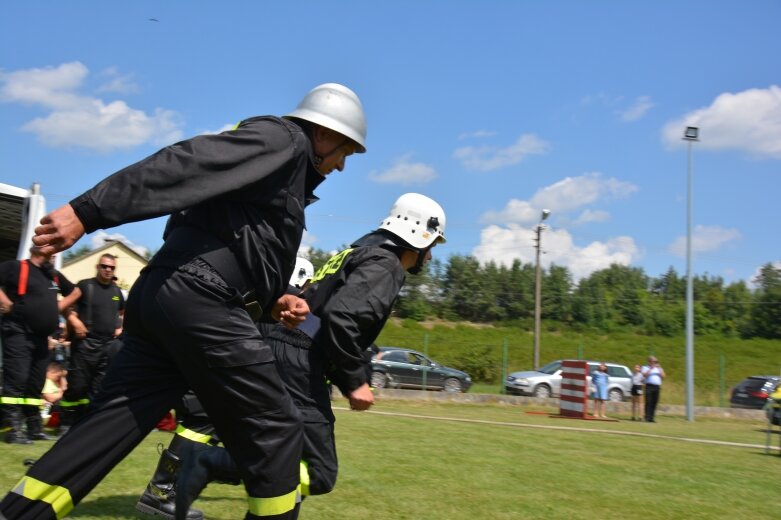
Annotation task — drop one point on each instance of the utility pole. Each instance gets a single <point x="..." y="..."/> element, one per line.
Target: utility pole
<point x="538" y="288"/>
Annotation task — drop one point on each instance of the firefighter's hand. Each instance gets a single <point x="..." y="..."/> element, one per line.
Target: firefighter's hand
<point x="290" y="310"/>
<point x="59" y="230"/>
<point x="77" y="327"/>
<point x="362" y="398"/>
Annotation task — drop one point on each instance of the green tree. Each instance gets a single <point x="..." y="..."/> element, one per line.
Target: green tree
<point x="766" y="308"/>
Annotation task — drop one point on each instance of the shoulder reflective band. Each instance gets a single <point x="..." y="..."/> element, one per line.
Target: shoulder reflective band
<point x="273" y="505"/>
<point x="331" y="266"/>
<point x="56" y="496"/>
<point x="24" y="271"/>
<point x="191" y="435"/>
<point x="304" y="476"/>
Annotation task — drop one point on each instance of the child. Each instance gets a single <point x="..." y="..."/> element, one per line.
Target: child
<point x="55" y="385"/>
<point x="637" y="392"/>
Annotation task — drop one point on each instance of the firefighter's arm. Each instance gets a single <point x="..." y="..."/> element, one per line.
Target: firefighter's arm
<point x="5" y="303"/>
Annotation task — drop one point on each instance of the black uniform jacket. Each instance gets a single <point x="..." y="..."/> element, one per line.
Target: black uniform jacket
<point x="36" y="312"/>
<point x="248" y="187"/>
<point x="353" y="295"/>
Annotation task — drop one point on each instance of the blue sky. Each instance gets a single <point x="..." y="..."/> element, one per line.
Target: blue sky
<point x="496" y="109"/>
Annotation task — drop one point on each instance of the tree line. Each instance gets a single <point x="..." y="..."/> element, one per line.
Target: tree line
<point x="618" y="297"/>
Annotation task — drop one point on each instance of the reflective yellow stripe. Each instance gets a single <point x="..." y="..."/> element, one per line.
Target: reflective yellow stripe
<point x="31" y="401"/>
<point x="56" y="496"/>
<point x="70" y="404"/>
<point x="273" y="505"/>
<point x="331" y="266"/>
<point x="304" y="476"/>
<point x="191" y="435"/>
<point x="11" y="400"/>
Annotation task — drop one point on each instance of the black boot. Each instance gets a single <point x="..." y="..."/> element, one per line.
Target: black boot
<point x="14" y="420"/>
<point x="205" y="464"/>
<point x="160" y="494"/>
<point x="35" y="427"/>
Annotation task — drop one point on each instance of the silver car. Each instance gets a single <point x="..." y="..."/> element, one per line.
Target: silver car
<point x="546" y="381"/>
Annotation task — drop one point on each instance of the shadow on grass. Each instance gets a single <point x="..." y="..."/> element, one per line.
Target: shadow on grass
<point x="117" y="506"/>
<point x="124" y="507"/>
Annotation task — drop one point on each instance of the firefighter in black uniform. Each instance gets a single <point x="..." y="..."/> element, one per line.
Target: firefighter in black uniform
<point x="194" y="429"/>
<point x="28" y="292"/>
<point x="95" y="324"/>
<point x="237" y="203"/>
<point x="351" y="296"/>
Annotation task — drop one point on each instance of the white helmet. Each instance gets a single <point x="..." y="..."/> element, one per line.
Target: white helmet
<point x="334" y="106"/>
<point x="303" y="271"/>
<point x="417" y="220"/>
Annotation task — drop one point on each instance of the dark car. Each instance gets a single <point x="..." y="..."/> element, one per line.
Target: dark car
<point x="404" y="368"/>
<point x="753" y="392"/>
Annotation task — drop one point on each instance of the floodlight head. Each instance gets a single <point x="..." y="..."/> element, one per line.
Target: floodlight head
<point x="545" y="214"/>
<point x="691" y="133"/>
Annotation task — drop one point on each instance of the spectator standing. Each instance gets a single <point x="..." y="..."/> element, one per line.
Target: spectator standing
<point x="654" y="375"/>
<point x="637" y="393"/>
<point x="94" y="326"/>
<point x="28" y="301"/>
<point x="599" y="379"/>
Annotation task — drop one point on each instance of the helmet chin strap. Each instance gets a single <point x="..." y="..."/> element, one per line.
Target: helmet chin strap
<point x="418" y="267"/>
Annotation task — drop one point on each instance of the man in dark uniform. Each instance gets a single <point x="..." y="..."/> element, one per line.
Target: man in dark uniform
<point x="237" y="204"/>
<point x="28" y="292"/>
<point x="350" y="299"/>
<point x="193" y="430"/>
<point x="94" y="325"/>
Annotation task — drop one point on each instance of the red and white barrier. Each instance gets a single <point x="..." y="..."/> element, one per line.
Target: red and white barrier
<point x="574" y="388"/>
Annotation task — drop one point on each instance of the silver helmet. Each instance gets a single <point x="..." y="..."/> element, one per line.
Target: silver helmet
<point x="417" y="220"/>
<point x="334" y="106"/>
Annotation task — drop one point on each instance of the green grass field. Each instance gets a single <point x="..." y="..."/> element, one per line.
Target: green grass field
<point x="416" y="460"/>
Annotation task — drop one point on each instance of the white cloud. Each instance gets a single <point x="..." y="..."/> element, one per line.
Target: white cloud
<point x="511" y="231"/>
<point x="638" y="109"/>
<point x="748" y="121"/>
<point x="503" y="245"/>
<point x="567" y="195"/>
<point x="223" y="128"/>
<point x="99" y="239"/>
<point x="704" y="239"/>
<point x="487" y="158"/>
<point x="479" y="134"/>
<point x="405" y="172"/>
<point x="589" y="215"/>
<point x="118" y="83"/>
<point x="76" y="120"/>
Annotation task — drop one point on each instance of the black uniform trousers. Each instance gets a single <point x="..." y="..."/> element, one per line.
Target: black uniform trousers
<point x="183" y="329"/>
<point x="651" y="401"/>
<point x="25" y="358"/>
<point x="302" y="372"/>
<point x="87" y="367"/>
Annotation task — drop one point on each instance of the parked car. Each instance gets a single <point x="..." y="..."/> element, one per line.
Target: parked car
<point x="404" y="368"/>
<point x="546" y="381"/>
<point x="753" y="392"/>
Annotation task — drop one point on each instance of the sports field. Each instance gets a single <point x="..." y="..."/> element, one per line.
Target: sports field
<point x="409" y="460"/>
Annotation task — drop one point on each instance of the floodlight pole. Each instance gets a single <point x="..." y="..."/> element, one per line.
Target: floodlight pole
<point x="690" y="136"/>
<point x="538" y="289"/>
